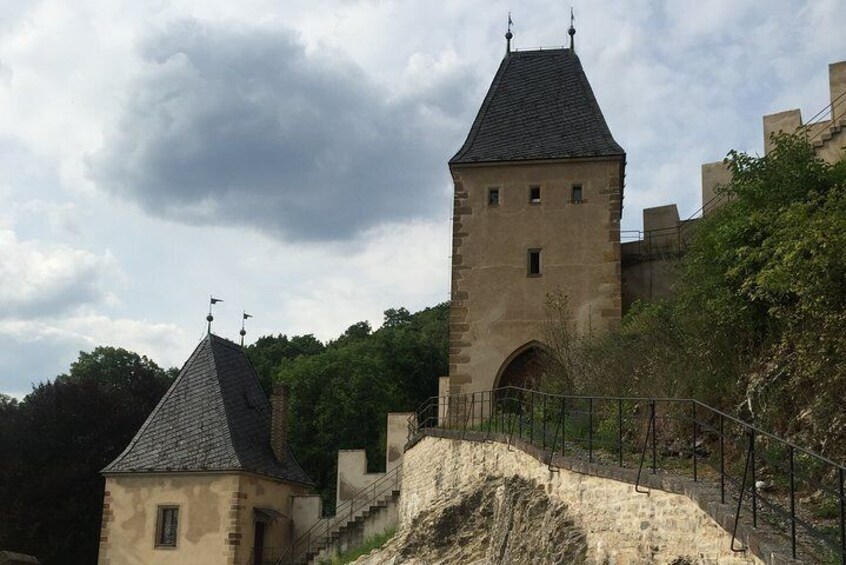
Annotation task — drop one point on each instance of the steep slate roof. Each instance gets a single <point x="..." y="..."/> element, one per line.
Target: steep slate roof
<point x="539" y="106"/>
<point x="214" y="417"/>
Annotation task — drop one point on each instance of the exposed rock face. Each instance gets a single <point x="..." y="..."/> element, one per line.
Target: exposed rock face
<point x="503" y="521"/>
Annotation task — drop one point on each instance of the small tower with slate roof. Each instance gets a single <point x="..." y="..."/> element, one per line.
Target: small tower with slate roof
<point x="209" y="478"/>
<point x="538" y="193"/>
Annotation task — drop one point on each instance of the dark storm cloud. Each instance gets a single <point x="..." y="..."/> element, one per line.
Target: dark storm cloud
<point x="244" y="127"/>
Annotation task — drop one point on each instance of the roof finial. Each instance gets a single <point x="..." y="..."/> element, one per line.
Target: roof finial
<point x="508" y="35"/>
<point x="243" y="332"/>
<point x="210" y="318"/>
<point x="572" y="30"/>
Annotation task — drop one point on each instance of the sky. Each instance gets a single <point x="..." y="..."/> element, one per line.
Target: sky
<point x="291" y="158"/>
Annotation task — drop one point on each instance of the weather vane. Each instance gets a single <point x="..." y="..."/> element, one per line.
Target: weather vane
<point x="210" y="318"/>
<point x="572" y="30"/>
<point x="243" y="332"/>
<point x="508" y="35"/>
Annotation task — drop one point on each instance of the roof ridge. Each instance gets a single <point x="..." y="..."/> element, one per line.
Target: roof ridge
<point x="158" y="408"/>
<point x="226" y="413"/>
<point x="486" y="104"/>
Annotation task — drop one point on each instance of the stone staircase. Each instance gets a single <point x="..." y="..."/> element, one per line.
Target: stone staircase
<point x="836" y="127"/>
<point x="371" y="511"/>
<point x="339" y="534"/>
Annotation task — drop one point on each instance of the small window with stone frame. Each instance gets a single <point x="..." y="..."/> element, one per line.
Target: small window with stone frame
<point x="493" y="196"/>
<point x="534" y="263"/>
<point x="534" y="194"/>
<point x="577" y="194"/>
<point x="167" y="526"/>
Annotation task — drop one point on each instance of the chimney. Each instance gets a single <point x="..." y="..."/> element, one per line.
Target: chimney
<point x="279" y="420"/>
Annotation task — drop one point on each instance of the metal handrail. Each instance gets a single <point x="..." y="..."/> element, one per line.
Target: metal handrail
<point x="582" y="425"/>
<point x="344" y="513"/>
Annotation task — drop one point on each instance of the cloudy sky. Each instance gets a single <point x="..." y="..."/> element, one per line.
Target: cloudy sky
<point x="290" y="157"/>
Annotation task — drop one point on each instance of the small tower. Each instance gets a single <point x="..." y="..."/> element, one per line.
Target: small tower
<point x="537" y="205"/>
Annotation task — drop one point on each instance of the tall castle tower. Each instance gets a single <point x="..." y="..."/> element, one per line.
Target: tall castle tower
<point x="537" y="206"/>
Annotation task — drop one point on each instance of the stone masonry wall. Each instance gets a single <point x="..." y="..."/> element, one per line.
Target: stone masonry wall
<point x="621" y="526"/>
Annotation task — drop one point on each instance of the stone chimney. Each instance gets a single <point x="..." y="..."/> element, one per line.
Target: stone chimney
<point x="279" y="420"/>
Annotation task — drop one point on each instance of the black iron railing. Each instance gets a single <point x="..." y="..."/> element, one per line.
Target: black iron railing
<point x="323" y="532"/>
<point x="797" y="493"/>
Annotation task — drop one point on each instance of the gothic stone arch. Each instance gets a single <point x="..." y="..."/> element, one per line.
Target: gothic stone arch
<point x="522" y="368"/>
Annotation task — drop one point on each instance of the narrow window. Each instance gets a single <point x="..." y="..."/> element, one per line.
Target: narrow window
<point x="534" y="194"/>
<point x="493" y="197"/>
<point x="167" y="525"/>
<point x="577" y="194"/>
<point x="534" y="262"/>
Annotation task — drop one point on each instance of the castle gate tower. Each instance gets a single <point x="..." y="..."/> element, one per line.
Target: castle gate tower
<point x="537" y="206"/>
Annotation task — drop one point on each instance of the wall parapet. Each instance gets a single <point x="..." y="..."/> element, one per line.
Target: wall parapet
<point x="763" y="484"/>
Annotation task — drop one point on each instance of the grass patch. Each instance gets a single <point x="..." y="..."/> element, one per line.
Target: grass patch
<point x="369" y="545"/>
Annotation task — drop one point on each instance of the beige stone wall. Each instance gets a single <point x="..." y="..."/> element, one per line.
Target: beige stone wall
<point x="258" y="491"/>
<point x="352" y="474"/>
<point x="130" y="512"/>
<point x="621" y="525"/>
<point x="216" y="520"/>
<point x="496" y="307"/>
<point x="396" y="438"/>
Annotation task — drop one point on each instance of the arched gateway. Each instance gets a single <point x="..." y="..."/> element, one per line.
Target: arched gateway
<point x="523" y="368"/>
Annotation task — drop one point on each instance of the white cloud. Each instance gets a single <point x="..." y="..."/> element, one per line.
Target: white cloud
<point x="41" y="280"/>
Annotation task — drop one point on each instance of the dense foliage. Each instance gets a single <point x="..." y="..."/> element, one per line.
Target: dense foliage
<point x="758" y="321"/>
<point x="54" y="444"/>
<point x="341" y="392"/>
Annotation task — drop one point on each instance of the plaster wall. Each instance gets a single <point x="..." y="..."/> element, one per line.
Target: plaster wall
<point x="216" y="518"/>
<point x="352" y="474"/>
<point x="496" y="307"/>
<point x="646" y="280"/>
<point x="130" y="512"/>
<point x="306" y="510"/>
<point x="262" y="492"/>
<point x="397" y="436"/>
<point x="621" y="526"/>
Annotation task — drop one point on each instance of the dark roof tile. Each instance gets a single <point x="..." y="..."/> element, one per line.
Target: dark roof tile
<point x="539" y="106"/>
<point x="214" y="417"/>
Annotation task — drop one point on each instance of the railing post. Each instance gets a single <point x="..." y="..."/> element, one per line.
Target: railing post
<point x="563" y="425"/>
<point x="543" y="430"/>
<point x="693" y="447"/>
<point x="590" y="429"/>
<point x="842" y="520"/>
<point x="722" y="460"/>
<point x="620" y="432"/>
<point x="754" y="481"/>
<point x="532" y="418"/>
<point x="654" y="450"/>
<point x="792" y="505"/>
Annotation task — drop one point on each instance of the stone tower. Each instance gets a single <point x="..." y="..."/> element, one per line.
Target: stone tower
<point x="537" y="206"/>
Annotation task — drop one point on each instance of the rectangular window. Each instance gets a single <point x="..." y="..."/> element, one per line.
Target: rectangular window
<point x="534" y="194"/>
<point x="493" y="197"/>
<point x="577" y="194"/>
<point x="167" y="526"/>
<point x="534" y="262"/>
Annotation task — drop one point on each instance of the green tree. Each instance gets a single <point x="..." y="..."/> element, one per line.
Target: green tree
<point x="58" y="439"/>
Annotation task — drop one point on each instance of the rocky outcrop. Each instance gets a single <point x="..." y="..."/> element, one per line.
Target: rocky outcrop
<point x="505" y="520"/>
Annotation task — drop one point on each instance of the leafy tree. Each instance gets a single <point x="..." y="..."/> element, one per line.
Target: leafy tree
<point x="340" y="396"/>
<point x="268" y="352"/>
<point x="757" y="322"/>
<point x="57" y="440"/>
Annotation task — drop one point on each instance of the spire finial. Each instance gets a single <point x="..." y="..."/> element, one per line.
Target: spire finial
<point x="210" y="318"/>
<point x="508" y="35"/>
<point x="243" y="332"/>
<point x="572" y="30"/>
